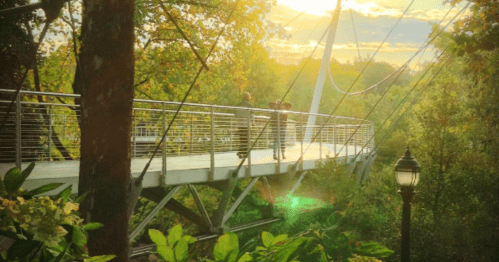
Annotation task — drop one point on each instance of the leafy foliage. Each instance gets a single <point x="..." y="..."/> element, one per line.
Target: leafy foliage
<point x="175" y="247"/>
<point x="43" y="228"/>
<point x="322" y="243"/>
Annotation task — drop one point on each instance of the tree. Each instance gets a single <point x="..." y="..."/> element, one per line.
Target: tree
<point x="107" y="74"/>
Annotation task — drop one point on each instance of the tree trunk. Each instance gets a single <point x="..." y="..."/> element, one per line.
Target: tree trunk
<point x="107" y="70"/>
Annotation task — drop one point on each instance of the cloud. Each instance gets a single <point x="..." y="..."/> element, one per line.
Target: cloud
<point x="290" y="52"/>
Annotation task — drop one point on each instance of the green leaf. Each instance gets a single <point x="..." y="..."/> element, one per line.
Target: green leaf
<point x="279" y="238"/>
<point x="26" y="172"/>
<point x="21" y="248"/>
<point x="166" y="253"/>
<point x="225" y="245"/>
<point x="174" y="235"/>
<point x="92" y="226"/>
<point x="61" y="255"/>
<point x="103" y="258"/>
<point x="13" y="180"/>
<point x="189" y="239"/>
<point x="81" y="197"/>
<point x="181" y="250"/>
<point x="79" y="238"/>
<point x="267" y="239"/>
<point x="245" y="258"/>
<point x="45" y="188"/>
<point x="157" y="237"/>
<point x="232" y="257"/>
<point x="373" y="249"/>
<point x="65" y="194"/>
<point x="287" y="251"/>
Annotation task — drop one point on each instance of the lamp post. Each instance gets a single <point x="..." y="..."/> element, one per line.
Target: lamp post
<point x="407" y="171"/>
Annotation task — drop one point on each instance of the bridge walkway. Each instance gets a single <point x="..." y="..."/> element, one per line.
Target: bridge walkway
<point x="200" y="149"/>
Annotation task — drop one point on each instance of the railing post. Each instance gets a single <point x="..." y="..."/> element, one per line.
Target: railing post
<point x="278" y="169"/>
<point x="320" y="139"/>
<point x="372" y="140"/>
<point x="18" y="130"/>
<point x="301" y="140"/>
<point x="231" y="131"/>
<point x="212" y="144"/>
<point x="192" y="133"/>
<point x="165" y="149"/>
<point x="266" y="138"/>
<point x="334" y="138"/>
<point x="355" y="141"/>
<point x="248" y="170"/>
<point x="63" y="127"/>
<point x="49" y="134"/>
<point x="134" y="134"/>
<point x="347" y="131"/>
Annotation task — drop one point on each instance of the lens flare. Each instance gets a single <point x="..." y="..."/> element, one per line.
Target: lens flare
<point x="293" y="206"/>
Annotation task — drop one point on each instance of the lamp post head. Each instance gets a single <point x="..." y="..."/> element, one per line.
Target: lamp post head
<point x="407" y="171"/>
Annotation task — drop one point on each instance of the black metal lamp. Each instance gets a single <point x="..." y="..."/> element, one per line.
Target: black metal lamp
<point x="407" y="171"/>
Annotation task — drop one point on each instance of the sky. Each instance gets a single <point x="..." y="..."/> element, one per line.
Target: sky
<point x="373" y="20"/>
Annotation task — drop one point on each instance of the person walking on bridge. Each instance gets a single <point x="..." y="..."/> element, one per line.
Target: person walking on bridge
<point x="278" y="121"/>
<point x="244" y="118"/>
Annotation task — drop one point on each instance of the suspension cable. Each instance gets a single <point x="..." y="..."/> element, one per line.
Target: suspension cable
<point x="344" y="96"/>
<point x="299" y="14"/>
<point x="282" y="99"/>
<point x="401" y="102"/>
<point x="355" y="33"/>
<point x="416" y="98"/>
<point x="386" y="78"/>
<point x="146" y="167"/>
<point x="425" y="46"/>
<point x="25" y="74"/>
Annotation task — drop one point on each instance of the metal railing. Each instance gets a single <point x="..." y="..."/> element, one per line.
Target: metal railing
<point x="49" y="131"/>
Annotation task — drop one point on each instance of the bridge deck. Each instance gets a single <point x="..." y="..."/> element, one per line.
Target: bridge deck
<point x="188" y="169"/>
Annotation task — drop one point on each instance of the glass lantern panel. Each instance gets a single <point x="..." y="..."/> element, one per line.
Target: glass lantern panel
<point x="407" y="177"/>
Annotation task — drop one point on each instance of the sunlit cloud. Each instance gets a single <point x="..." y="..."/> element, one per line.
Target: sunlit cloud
<point x="371" y="8"/>
<point x="291" y="52"/>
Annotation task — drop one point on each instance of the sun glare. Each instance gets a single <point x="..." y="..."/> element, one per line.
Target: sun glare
<point x="321" y="7"/>
<point x="314" y="7"/>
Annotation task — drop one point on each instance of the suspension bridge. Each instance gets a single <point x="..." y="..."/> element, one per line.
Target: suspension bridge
<point x="200" y="149"/>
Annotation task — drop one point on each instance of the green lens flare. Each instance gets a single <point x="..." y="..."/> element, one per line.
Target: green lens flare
<point x="294" y="205"/>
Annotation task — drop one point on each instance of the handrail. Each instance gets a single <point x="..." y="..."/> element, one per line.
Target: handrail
<point x="136" y="100"/>
<point x="38" y="130"/>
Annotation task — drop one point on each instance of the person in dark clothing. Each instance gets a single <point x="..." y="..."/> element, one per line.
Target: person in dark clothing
<point x="244" y="119"/>
<point x="278" y="122"/>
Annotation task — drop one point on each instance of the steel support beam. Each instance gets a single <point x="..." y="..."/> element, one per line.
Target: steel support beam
<point x="153" y="213"/>
<point x="239" y="200"/>
<point x="201" y="208"/>
<point x="321" y="77"/>
<point x="298" y="182"/>
<point x="156" y="194"/>
<point x="363" y="172"/>
<point x="267" y="187"/>
<point x="222" y="206"/>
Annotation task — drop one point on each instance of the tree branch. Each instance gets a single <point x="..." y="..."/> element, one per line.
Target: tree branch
<point x="184" y="36"/>
<point x="20" y="9"/>
<point x="53" y="135"/>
